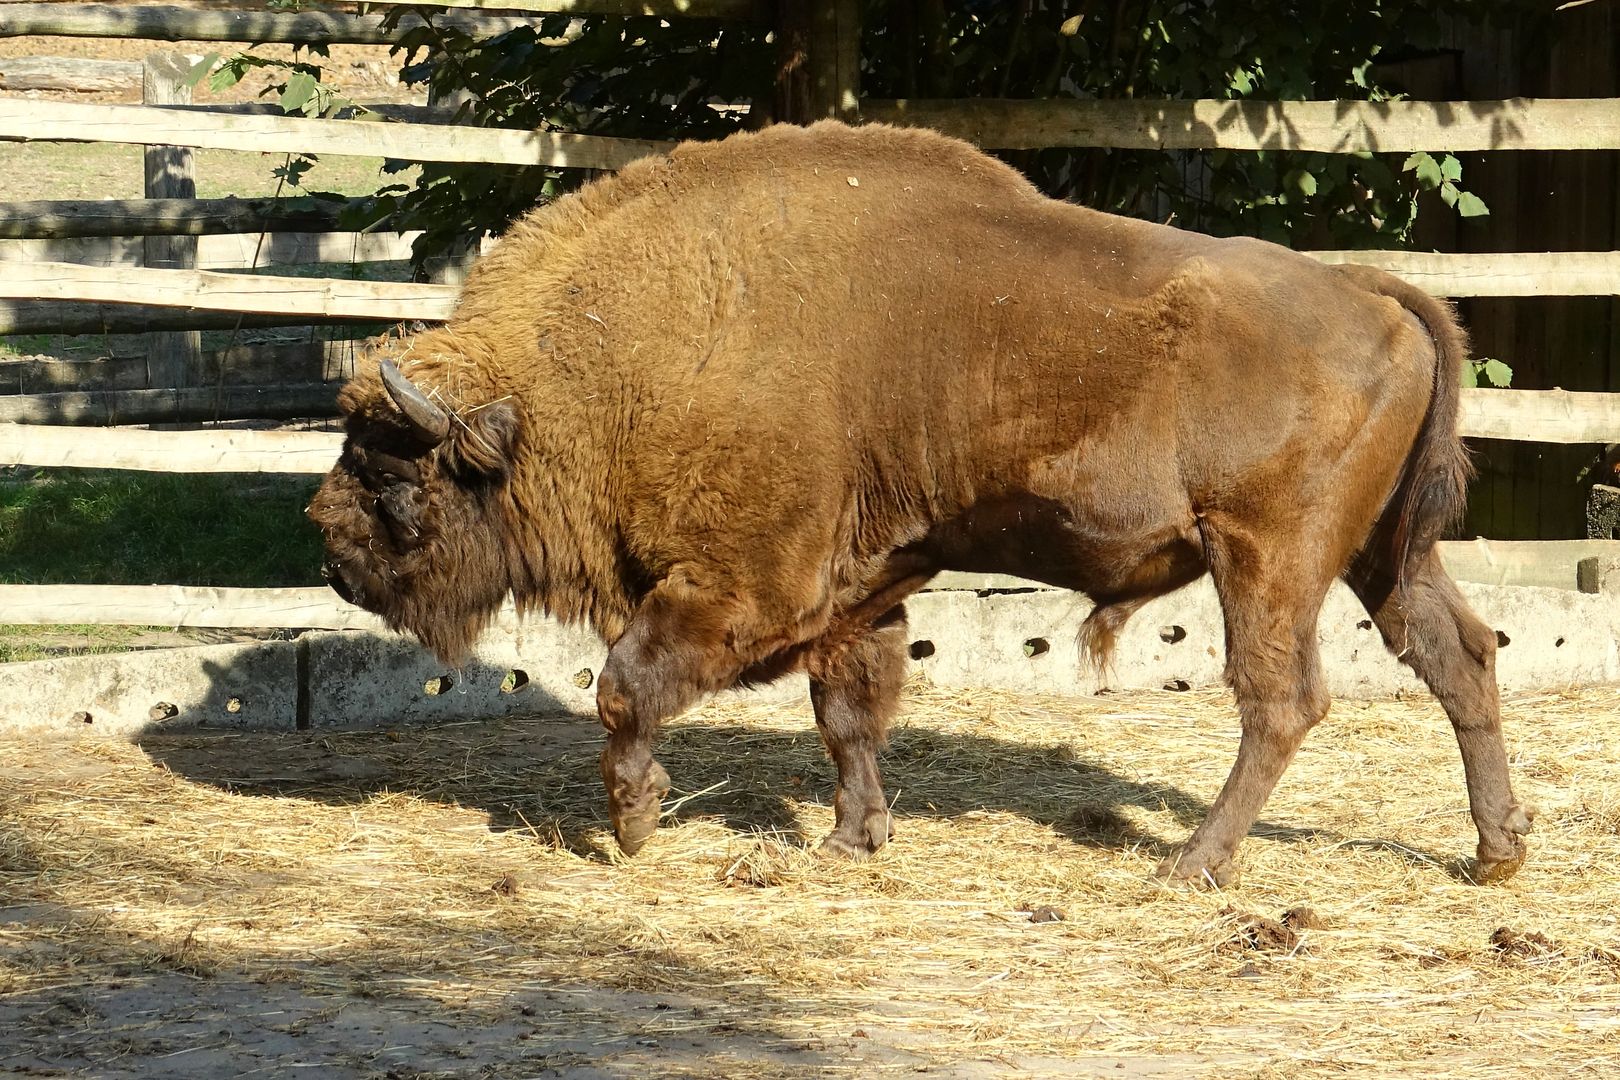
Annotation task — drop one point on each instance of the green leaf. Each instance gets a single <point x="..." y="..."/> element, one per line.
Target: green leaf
<point x="1302" y="181"/>
<point x="1498" y="373"/>
<point x="1471" y="205"/>
<point x="229" y="74"/>
<point x="1425" y="168"/>
<point x="300" y="88"/>
<point x="1450" y="168"/>
<point x="1470" y="375"/>
<point x="1448" y="192"/>
<point x="201" y="68"/>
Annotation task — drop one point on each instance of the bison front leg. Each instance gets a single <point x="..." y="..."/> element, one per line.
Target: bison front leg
<point x="673" y="652"/>
<point x="855" y="688"/>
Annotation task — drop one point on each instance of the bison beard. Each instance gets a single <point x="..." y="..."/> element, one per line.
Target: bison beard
<point x="732" y="406"/>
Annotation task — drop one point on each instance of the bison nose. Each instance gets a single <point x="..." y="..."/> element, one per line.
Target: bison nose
<point x="333" y="573"/>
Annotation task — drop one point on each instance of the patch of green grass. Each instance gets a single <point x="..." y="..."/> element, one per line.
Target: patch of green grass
<point x="20" y="643"/>
<point x="72" y="526"/>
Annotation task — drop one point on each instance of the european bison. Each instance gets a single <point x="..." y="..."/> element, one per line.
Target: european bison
<point x="733" y="405"/>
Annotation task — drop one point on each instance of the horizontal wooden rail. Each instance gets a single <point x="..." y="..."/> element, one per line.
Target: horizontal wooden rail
<point x="212" y="291"/>
<point x="67" y="317"/>
<point x="196" y="404"/>
<point x="67" y="73"/>
<point x="52" y="219"/>
<point x="1545" y="563"/>
<point x="1548" y="564"/>
<point x="237" y="251"/>
<point x="167" y="22"/>
<point x="1330" y="126"/>
<point x="667" y="9"/>
<point x="1529" y="273"/>
<point x="258" y="364"/>
<point x="76" y="122"/>
<point x="1553" y="416"/>
<point x="180" y="605"/>
<point x="1522" y="415"/>
<point x="295" y="452"/>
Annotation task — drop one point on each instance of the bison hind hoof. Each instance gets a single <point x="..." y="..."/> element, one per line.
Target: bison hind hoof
<point x="1179" y="872"/>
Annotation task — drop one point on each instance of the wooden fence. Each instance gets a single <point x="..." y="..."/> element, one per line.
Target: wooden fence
<point x="827" y="33"/>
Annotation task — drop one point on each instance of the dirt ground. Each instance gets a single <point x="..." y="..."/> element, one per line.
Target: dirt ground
<point x="445" y="901"/>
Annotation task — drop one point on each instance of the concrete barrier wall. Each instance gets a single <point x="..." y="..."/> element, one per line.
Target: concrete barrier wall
<point x="1551" y="639"/>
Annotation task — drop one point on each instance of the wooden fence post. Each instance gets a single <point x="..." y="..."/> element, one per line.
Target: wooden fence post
<point x="173" y="357"/>
<point x="818" y="60"/>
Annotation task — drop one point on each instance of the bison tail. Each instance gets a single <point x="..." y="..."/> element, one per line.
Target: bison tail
<point x="1433" y="489"/>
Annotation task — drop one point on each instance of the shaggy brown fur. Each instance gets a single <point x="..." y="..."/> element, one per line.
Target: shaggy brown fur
<point x="733" y="405"/>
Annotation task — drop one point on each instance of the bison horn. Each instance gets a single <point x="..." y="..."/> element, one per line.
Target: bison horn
<point x="428" y="422"/>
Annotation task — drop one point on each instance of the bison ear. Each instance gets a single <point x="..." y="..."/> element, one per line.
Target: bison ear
<point x="483" y="439"/>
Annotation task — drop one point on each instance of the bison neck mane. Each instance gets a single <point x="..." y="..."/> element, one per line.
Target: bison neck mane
<point x="529" y="517"/>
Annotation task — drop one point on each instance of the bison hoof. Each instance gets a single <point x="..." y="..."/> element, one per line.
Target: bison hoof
<point x="858" y="840"/>
<point x="1493" y="870"/>
<point x="1184" y="871"/>
<point x="1500" y="857"/>
<point x="636" y="819"/>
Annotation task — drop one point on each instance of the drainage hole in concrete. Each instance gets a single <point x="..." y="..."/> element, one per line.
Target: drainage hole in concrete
<point x="515" y="680"/>
<point x="83" y="718"/>
<point x="1559" y="644"/>
<point x="1502" y="640"/>
<point x="1037" y="646"/>
<point x="163" y="710"/>
<point x="1178" y="684"/>
<point x="1172" y="634"/>
<point x="584" y="677"/>
<point x="1364" y="624"/>
<point x="922" y="650"/>
<point x="436" y="686"/>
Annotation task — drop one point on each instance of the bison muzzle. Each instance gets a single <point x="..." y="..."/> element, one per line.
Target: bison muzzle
<point x="731" y="406"/>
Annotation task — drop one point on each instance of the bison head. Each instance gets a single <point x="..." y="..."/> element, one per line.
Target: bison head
<point x="412" y="514"/>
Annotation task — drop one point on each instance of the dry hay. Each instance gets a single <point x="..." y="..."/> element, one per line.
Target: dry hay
<point x="452" y="894"/>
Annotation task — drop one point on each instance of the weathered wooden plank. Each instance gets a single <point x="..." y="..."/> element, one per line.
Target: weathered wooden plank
<point x="1329" y="126"/>
<point x="63" y="317"/>
<point x="234" y="251"/>
<point x="295" y="452"/>
<point x="175" y="405"/>
<point x="1554" y="416"/>
<point x="1534" y="273"/>
<point x="693" y="9"/>
<point x="240" y="365"/>
<point x="34" y="219"/>
<point x="67" y="73"/>
<point x="211" y="291"/>
<point x="181" y="605"/>
<point x="167" y="22"/>
<point x="77" y="122"/>
<point x="172" y="355"/>
<point x="184" y="405"/>
<point x="1542" y="563"/>
<point x="1549" y="564"/>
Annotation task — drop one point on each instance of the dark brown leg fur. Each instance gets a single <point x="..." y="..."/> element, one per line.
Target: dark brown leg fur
<point x="1271" y="598"/>
<point x="855" y="688"/>
<point x="1430" y="627"/>
<point x="673" y="653"/>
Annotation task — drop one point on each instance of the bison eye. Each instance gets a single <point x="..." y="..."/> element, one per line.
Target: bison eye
<point x="402" y="511"/>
